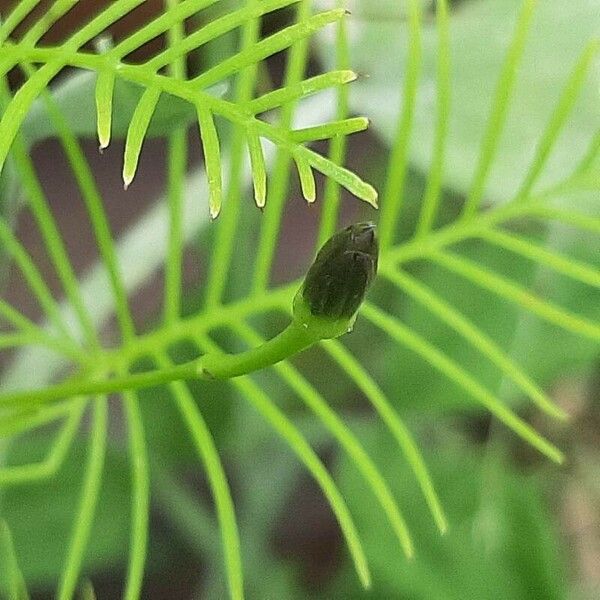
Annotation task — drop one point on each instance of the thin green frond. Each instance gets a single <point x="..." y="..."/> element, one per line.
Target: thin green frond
<point x="227" y="225"/>
<point x="393" y="195"/>
<point x="59" y="449"/>
<point x="105" y="87"/>
<point x="568" y="217"/>
<point x="212" y="159"/>
<point x="177" y="166"/>
<point x="52" y="238"/>
<point x="34" y="279"/>
<point x="189" y="91"/>
<point x="338" y="145"/>
<point x="177" y="156"/>
<point x="360" y="376"/>
<point x="297" y="61"/>
<point x="15" y="113"/>
<point x="169" y="21"/>
<point x="330" y="130"/>
<point x="204" y="443"/>
<point x="348" y="179"/>
<point x="515" y="293"/>
<point x="437" y="359"/>
<point x="20" y="421"/>
<point x="12" y="582"/>
<point x="315" y="402"/>
<point x="47" y="19"/>
<point x="559" y="117"/>
<point x="219" y="27"/>
<point x="309" y="458"/>
<point x="20" y="11"/>
<point x="259" y="169"/>
<point x="561" y="264"/>
<point x="140" y="496"/>
<point x="500" y="107"/>
<point x="136" y="133"/>
<point x="88" y="500"/>
<point x="301" y="89"/>
<point x="307" y="180"/>
<point x="469" y="331"/>
<point x="434" y="182"/>
<point x="267" y="47"/>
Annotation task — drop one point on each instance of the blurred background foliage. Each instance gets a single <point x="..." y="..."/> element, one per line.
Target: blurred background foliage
<point x="520" y="527"/>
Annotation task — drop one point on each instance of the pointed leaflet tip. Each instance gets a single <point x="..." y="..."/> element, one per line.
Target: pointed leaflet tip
<point x="260" y="198"/>
<point x="349" y="76"/>
<point x="310" y="197"/>
<point x="127" y="179"/>
<point x="373" y="197"/>
<point x="104" y="105"/>
<point x="307" y="180"/>
<point x="260" y="189"/>
<point x="214" y="202"/>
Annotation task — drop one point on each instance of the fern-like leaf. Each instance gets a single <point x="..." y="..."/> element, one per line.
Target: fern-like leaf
<point x="70" y="331"/>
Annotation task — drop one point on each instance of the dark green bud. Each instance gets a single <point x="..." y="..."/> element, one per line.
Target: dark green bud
<point x="345" y="266"/>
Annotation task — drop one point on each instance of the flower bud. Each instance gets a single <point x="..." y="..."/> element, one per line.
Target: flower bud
<point x="345" y="266"/>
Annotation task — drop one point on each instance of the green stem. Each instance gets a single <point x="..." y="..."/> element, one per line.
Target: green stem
<point x="291" y="340"/>
<point x="301" y="333"/>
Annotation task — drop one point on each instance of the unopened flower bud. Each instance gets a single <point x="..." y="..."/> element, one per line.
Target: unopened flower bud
<point x="345" y="266"/>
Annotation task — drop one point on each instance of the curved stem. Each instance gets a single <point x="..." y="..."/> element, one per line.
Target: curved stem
<point x="297" y="336"/>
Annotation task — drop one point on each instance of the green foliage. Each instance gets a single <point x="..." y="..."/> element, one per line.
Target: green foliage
<point x="474" y="306"/>
<point x="502" y="542"/>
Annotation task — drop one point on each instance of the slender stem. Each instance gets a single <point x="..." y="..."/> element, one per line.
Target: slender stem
<point x="337" y="148"/>
<point x="392" y="202"/>
<point x="88" y="500"/>
<point x="362" y="378"/>
<point x="205" y="446"/>
<point x="368" y="470"/>
<point x="93" y="202"/>
<point x="295" y="338"/>
<point x="140" y="496"/>
<point x="177" y="165"/>
<point x="499" y="111"/>
<point x="76" y="387"/>
<point x="563" y="109"/>
<point x="19" y="474"/>
<point x="291" y="340"/>
<point x="53" y="239"/>
<point x="431" y="200"/>
<point x="19" y="12"/>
